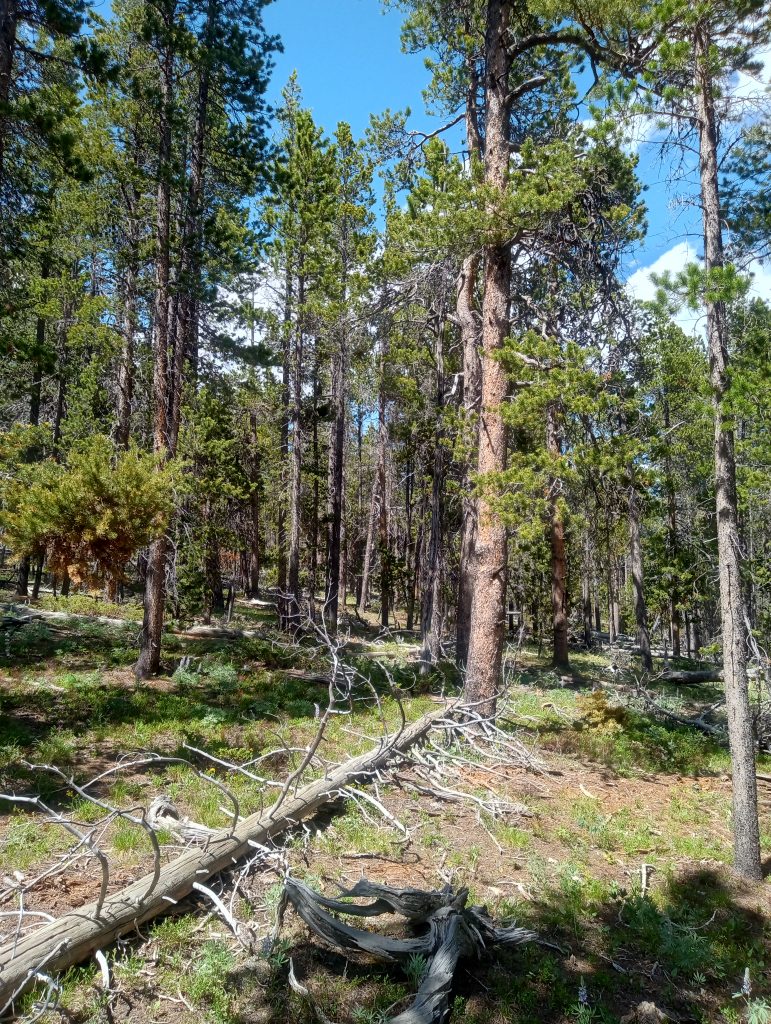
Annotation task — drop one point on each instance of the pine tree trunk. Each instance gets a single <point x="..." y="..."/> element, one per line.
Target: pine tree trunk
<point x="336" y="490"/>
<point x="253" y="568"/>
<point x="586" y="591"/>
<point x="129" y="328"/>
<point x="635" y="552"/>
<point x="9" y="14"/>
<point x="740" y="726"/>
<point x="368" y="547"/>
<point x="383" y="538"/>
<point x="432" y="612"/>
<point x="315" y="474"/>
<point x="149" y="659"/>
<point x="485" y="655"/>
<point x="559" y="599"/>
<point x="35" y="401"/>
<point x="470" y="328"/>
<point x="38" y="577"/>
<point x="295" y="481"/>
<point x="472" y="386"/>
<point x="281" y="531"/>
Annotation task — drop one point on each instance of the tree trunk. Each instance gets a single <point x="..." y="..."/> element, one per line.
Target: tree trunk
<point x="636" y="557"/>
<point x="126" y="365"/>
<point x="470" y="328"/>
<point x="253" y="569"/>
<point x="9" y="14"/>
<point x="38" y="578"/>
<point x="485" y="655"/>
<point x="559" y="598"/>
<point x="35" y="401"/>
<point x="432" y="611"/>
<point x="281" y="531"/>
<point x="336" y="490"/>
<point x="149" y="659"/>
<point x="369" y="545"/>
<point x="586" y="591"/>
<point x="740" y="726"/>
<point x="383" y="540"/>
<point x="295" y="482"/>
<point x="472" y="388"/>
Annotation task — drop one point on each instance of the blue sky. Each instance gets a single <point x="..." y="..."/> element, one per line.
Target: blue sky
<point x="348" y="57"/>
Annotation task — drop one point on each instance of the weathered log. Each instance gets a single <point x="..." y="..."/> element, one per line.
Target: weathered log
<point x="682" y="677"/>
<point x="454" y="931"/>
<point x="76" y="935"/>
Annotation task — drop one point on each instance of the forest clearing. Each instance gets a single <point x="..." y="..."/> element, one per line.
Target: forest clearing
<point x="385" y="511"/>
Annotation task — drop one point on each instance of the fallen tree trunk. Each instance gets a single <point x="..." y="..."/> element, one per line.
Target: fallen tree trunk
<point x="685" y="678"/>
<point x="76" y="935"/>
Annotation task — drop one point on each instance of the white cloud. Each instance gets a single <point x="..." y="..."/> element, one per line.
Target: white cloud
<point x="641" y="128"/>
<point x="749" y="87"/>
<point x="641" y="287"/>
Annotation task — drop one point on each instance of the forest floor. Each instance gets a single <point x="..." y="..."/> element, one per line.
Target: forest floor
<point x="621" y="790"/>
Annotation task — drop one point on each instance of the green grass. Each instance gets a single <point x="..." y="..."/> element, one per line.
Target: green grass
<point x="27" y="841"/>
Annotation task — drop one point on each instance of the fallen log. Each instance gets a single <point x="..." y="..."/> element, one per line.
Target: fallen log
<point x="682" y="677"/>
<point x="75" y="936"/>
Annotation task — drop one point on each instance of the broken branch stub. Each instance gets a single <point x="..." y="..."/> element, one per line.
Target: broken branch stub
<point x="454" y="931"/>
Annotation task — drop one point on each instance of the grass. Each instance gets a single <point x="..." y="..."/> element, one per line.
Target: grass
<point x="67" y="697"/>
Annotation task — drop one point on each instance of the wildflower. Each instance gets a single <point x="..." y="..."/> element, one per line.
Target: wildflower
<point x="583" y="994"/>
<point x="747" y="983"/>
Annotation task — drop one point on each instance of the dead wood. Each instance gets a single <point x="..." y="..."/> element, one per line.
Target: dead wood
<point x="454" y="931"/>
<point x="681" y="677"/>
<point x="78" y="934"/>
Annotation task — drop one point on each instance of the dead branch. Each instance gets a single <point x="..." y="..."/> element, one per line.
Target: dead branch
<point x="455" y="931"/>
<point x="78" y="934"/>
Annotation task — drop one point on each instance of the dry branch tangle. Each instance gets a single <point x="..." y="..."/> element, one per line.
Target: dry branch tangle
<point x="454" y="931"/>
<point x="78" y="934"/>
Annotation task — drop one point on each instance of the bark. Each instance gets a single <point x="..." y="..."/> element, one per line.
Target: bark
<point x="336" y="477"/>
<point x="383" y="489"/>
<point x="35" y="401"/>
<point x="76" y="935"/>
<point x="486" y="637"/>
<point x="432" y="610"/>
<point x="586" y="591"/>
<point x="295" y="480"/>
<point x="281" y="519"/>
<point x="382" y="520"/>
<point x="740" y="726"/>
<point x="684" y="678"/>
<point x="674" y="600"/>
<point x="470" y="328"/>
<point x="416" y="571"/>
<point x="253" y="571"/>
<point x="149" y="659"/>
<point x="315" y="477"/>
<point x="192" y="237"/>
<point x="129" y="324"/>
<point x="38" y="578"/>
<point x="559" y="597"/>
<point x="636" y="557"/>
<point x="472" y="386"/>
<point x="9" y="16"/>
<point x="368" y="547"/>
